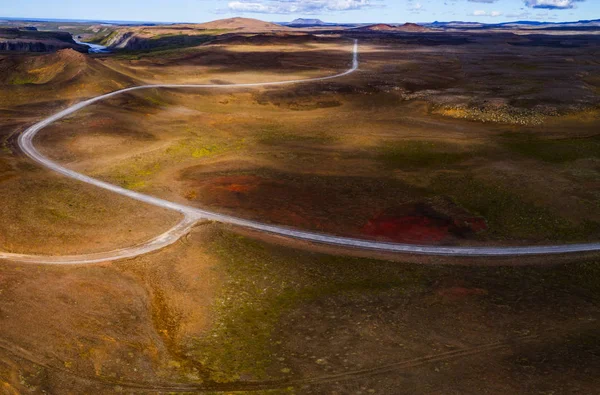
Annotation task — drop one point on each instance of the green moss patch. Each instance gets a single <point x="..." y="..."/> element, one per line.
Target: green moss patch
<point x="552" y="150"/>
<point x="510" y="216"/>
<point x="421" y="154"/>
<point x="264" y="282"/>
<point x="23" y="80"/>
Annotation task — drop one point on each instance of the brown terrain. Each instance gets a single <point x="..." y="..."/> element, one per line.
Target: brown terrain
<point x="240" y="24"/>
<point x="447" y="139"/>
<point x="180" y="35"/>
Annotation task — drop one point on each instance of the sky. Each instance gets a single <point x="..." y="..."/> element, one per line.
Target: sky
<point x="390" y="11"/>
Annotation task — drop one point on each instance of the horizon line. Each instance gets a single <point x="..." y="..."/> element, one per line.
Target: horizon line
<point x="128" y="22"/>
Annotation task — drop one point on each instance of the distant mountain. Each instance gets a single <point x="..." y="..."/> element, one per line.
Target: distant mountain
<point x="594" y="22"/>
<point x="311" y="22"/>
<point x="412" y="27"/>
<point x="378" y="27"/>
<point x="305" y="22"/>
<point x="382" y="27"/>
<point x="458" y="24"/>
<point x="583" y="24"/>
<point x="240" y="24"/>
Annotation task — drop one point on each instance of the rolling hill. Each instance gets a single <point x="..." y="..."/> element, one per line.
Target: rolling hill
<point x="239" y="24"/>
<point x="407" y="27"/>
<point x="182" y="35"/>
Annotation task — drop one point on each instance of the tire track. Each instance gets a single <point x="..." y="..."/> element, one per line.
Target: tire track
<point x="274" y="384"/>
<point x="166" y="239"/>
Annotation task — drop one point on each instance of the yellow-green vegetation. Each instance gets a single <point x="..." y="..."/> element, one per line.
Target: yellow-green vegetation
<point x="22" y="80"/>
<point x="4" y="145"/>
<point x="263" y="282"/>
<point x="156" y="99"/>
<point x="135" y="173"/>
<point x="503" y="114"/>
<point x="202" y="147"/>
<point x="105" y="39"/>
<point x="134" y="176"/>
<point x="100" y="36"/>
<point x="42" y="70"/>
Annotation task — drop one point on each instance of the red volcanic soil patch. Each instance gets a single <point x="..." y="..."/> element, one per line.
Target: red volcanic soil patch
<point x="456" y="289"/>
<point x="99" y="122"/>
<point x="432" y="221"/>
<point x="239" y="184"/>
<point x="270" y="199"/>
<point x="409" y="228"/>
<point x="238" y="188"/>
<point x="337" y="205"/>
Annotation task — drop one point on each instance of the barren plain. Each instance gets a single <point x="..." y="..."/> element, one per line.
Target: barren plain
<point x="439" y="138"/>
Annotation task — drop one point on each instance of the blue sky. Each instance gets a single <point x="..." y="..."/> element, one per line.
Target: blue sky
<point x="489" y="11"/>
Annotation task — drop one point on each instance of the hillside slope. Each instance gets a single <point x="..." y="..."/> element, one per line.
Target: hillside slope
<point x="63" y="75"/>
<point x="183" y="35"/>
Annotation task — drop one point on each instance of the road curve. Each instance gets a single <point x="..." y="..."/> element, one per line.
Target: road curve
<point x="165" y="239"/>
<point x="192" y="214"/>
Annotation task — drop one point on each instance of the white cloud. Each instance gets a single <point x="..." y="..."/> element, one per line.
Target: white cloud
<point x="485" y="13"/>
<point x="247" y="7"/>
<point x="297" y="6"/>
<point x="552" y="4"/>
<point x="416" y="6"/>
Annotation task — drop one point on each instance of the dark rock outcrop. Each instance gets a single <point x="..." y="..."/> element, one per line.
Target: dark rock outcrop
<point x="26" y="40"/>
<point x="407" y="27"/>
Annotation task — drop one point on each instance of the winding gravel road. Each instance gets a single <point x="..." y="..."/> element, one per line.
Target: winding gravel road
<point x="191" y="215"/>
